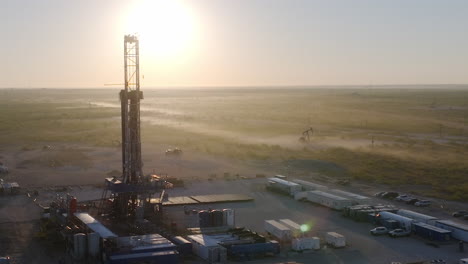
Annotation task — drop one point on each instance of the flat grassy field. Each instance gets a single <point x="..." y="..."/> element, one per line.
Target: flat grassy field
<point x="396" y="136"/>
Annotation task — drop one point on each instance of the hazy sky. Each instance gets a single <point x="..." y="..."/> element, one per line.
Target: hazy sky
<point x="60" y="43"/>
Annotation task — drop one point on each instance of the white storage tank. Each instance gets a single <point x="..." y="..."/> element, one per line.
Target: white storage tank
<point x="278" y="230"/>
<point x="79" y="246"/>
<point x="427" y="219"/>
<point x="305" y="243"/>
<point x="93" y="245"/>
<point x="229" y="217"/>
<point x="329" y="200"/>
<point x="356" y="198"/>
<point x="310" y="186"/>
<point x="405" y="222"/>
<point x="335" y="240"/>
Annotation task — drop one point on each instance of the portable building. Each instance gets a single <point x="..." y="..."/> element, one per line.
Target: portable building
<point x="335" y="240"/>
<point x="431" y="232"/>
<point x="310" y="186"/>
<point x="283" y="186"/>
<point x="459" y="231"/>
<point x="207" y="248"/>
<point x="295" y="228"/>
<point x="327" y="199"/>
<point x="404" y="222"/>
<point x="356" y="198"/>
<point x="278" y="230"/>
<point x="427" y="219"/>
<point x="305" y="243"/>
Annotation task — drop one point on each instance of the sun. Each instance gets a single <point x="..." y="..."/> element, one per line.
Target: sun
<point x="166" y="28"/>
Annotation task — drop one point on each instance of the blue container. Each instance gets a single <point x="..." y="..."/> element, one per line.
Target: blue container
<point x="431" y="232"/>
<point x="271" y="247"/>
<point x="183" y="245"/>
<point x="166" y="257"/>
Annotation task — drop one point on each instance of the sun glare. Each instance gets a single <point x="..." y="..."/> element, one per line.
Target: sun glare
<point x="166" y="28"/>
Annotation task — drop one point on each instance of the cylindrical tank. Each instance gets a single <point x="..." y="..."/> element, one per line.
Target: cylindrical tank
<point x="228" y="214"/>
<point x="205" y="219"/>
<point x="73" y="205"/>
<point x="93" y="245"/>
<point x="79" y="246"/>
<point x="217" y="217"/>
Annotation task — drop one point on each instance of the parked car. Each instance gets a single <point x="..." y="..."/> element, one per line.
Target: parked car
<point x="398" y="233"/>
<point x="379" y="194"/>
<point x="401" y="197"/>
<point x="459" y="213"/>
<point x="390" y="195"/>
<point x="423" y="203"/>
<point x="381" y="230"/>
<point x="440" y="261"/>
<point x="412" y="201"/>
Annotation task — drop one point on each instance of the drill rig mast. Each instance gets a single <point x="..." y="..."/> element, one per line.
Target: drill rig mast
<point x="133" y="189"/>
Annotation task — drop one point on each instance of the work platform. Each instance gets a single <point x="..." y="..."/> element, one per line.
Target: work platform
<point x="204" y="199"/>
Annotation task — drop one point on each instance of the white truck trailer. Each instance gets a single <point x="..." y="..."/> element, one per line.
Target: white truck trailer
<point x="295" y="228"/>
<point x="278" y="230"/>
<point x="355" y="198"/>
<point x="310" y="186"/>
<point x="335" y="240"/>
<point x="283" y="186"/>
<point x="329" y="200"/>
<point x="426" y="219"/>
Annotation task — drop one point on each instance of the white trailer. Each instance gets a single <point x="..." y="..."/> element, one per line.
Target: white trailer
<point x="310" y="186"/>
<point x="305" y="243"/>
<point x="459" y="231"/>
<point x="335" y="240"/>
<point x="295" y="228"/>
<point x="284" y="186"/>
<point x="327" y="199"/>
<point x="426" y="219"/>
<point x="356" y="198"/>
<point x="405" y="222"/>
<point x="278" y="230"/>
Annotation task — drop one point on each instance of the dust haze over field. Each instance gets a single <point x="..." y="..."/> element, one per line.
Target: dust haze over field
<point x="401" y="137"/>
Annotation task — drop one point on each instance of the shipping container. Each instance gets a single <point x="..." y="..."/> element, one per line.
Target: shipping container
<point x="310" y="186"/>
<point x="283" y="186"/>
<point x="431" y="232"/>
<point x="143" y="243"/>
<point x="278" y="230"/>
<point x="405" y="222"/>
<point x="459" y="231"/>
<point x="329" y="200"/>
<point x="427" y="219"/>
<point x="305" y="243"/>
<point x="335" y="240"/>
<point x="355" y="198"/>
